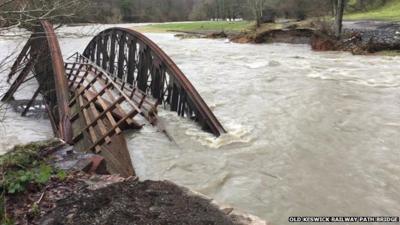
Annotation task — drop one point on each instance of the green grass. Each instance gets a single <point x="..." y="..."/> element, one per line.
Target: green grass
<point x="390" y="11"/>
<point x="200" y="26"/>
<point x="26" y="166"/>
<point x="388" y="53"/>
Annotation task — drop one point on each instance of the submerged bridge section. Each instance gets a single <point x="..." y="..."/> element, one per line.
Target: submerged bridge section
<point x="118" y="83"/>
<point x="137" y="62"/>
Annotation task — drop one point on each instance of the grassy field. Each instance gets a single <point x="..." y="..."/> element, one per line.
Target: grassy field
<point x="390" y="12"/>
<point x="198" y="26"/>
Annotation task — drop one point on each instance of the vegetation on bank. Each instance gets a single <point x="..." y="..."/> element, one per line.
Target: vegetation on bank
<point x="219" y="26"/>
<point x="388" y="12"/>
<point x="23" y="168"/>
<point x="115" y="11"/>
<point x="388" y="53"/>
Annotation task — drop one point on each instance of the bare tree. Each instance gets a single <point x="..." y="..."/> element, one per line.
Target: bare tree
<point x="339" y="18"/>
<point x="257" y="7"/>
<point x="23" y="15"/>
<point x="26" y="13"/>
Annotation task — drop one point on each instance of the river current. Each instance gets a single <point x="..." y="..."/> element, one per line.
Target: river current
<point x="309" y="133"/>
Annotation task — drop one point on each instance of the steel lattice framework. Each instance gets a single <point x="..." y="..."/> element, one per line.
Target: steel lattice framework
<point x="93" y="98"/>
<point x="42" y="56"/>
<point x="137" y="62"/>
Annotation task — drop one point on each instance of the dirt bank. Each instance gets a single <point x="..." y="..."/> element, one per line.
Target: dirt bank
<point x="355" y="43"/>
<point x="51" y="183"/>
<point x="292" y="36"/>
<point x="135" y="202"/>
<point x="359" y="37"/>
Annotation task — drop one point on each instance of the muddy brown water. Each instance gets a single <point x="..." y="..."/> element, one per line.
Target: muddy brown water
<point x="13" y="128"/>
<point x="308" y="133"/>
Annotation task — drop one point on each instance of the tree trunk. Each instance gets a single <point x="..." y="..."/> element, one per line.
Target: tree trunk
<point x="339" y="18"/>
<point x="334" y="7"/>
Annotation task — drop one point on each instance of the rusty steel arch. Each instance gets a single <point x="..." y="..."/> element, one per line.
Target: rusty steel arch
<point x="42" y="56"/>
<point x="136" y="62"/>
<point x="74" y="109"/>
<point x="120" y="79"/>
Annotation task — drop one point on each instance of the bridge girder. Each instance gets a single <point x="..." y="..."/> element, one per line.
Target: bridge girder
<point x="90" y="101"/>
<point x="136" y="61"/>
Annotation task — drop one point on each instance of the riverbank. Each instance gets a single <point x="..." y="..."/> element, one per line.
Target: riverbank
<point x="51" y="183"/>
<point x="279" y="103"/>
<point x="363" y="37"/>
<point x="359" y="37"/>
<point x="200" y="26"/>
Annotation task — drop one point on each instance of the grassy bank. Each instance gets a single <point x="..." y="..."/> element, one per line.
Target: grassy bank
<point x="389" y="12"/>
<point x="24" y="170"/>
<point x="198" y="26"/>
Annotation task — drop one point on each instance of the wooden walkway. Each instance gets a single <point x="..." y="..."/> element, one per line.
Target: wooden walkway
<point x="115" y="85"/>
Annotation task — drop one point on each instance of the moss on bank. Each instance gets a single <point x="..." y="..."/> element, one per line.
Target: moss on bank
<point x="23" y="168"/>
<point x="87" y="198"/>
<point x="388" y="53"/>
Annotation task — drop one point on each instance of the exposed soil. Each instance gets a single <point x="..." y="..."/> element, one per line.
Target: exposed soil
<point x="204" y="34"/>
<point x="359" y="37"/>
<point x="320" y="42"/>
<point x="87" y="194"/>
<point x="36" y="201"/>
<point x="34" y="198"/>
<point x="292" y="36"/>
<point x="355" y="43"/>
<point x="135" y="202"/>
<point x="30" y="206"/>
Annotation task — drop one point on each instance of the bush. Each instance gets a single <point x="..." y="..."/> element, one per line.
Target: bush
<point x="24" y="166"/>
<point x="25" y="170"/>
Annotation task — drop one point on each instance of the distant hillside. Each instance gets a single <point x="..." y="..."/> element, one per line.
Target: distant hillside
<point x="390" y="11"/>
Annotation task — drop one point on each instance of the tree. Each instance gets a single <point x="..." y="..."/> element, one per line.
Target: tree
<point x="257" y="7"/>
<point x="126" y="7"/>
<point x="233" y="9"/>
<point x="339" y="18"/>
<point x="26" y="13"/>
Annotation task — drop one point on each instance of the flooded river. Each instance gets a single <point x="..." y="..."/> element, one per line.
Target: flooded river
<point x="308" y="133"/>
<point x="15" y="129"/>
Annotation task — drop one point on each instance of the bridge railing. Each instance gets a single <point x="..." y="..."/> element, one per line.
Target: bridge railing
<point x="137" y="62"/>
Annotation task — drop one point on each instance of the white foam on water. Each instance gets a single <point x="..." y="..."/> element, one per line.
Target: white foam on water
<point x="257" y="65"/>
<point x="236" y="133"/>
<point x="319" y="138"/>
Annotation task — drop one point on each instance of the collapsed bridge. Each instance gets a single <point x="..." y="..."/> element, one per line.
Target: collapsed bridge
<point x="118" y="83"/>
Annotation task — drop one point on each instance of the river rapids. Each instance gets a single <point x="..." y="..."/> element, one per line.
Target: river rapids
<point x="309" y="133"/>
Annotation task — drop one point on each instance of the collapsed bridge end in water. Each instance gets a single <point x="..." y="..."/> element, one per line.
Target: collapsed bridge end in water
<point x="120" y="76"/>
